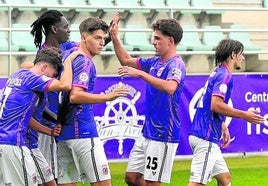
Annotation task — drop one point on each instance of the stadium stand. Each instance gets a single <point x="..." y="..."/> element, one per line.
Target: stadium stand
<point x="132" y="8"/>
<point x="130" y="4"/>
<point x="102" y="3"/>
<point x="212" y="38"/>
<point x="207" y="4"/>
<point x="5" y="44"/>
<point x="22" y="38"/>
<point x="243" y="37"/>
<point x="177" y="5"/>
<point x="46" y="2"/>
<point x="23" y="3"/>
<point x="76" y="3"/>
<point x="139" y="40"/>
<point x="197" y="49"/>
<point x="265" y="3"/>
<point x="2" y="8"/>
<point x="192" y="41"/>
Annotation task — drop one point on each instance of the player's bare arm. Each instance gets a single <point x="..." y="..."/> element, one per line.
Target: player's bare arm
<point x="79" y="96"/>
<point x="218" y="106"/>
<point x="35" y="125"/>
<point x="168" y="86"/>
<point x="121" y="53"/>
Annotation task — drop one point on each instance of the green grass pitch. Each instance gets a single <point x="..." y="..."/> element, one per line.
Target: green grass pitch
<point x="245" y="171"/>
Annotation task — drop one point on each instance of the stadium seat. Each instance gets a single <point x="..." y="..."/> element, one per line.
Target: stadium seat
<point x="191" y="40"/>
<point x="181" y="47"/>
<point x="3" y="9"/>
<point x="153" y="4"/>
<point x="102" y="3"/>
<point x="23" y="2"/>
<point x="110" y="47"/>
<point x="4" y="43"/>
<point x="21" y="38"/>
<point x="74" y="4"/>
<point x="205" y="3"/>
<point x="265" y="3"/>
<point x="46" y="2"/>
<point x="243" y="37"/>
<point x="181" y="4"/>
<point x="138" y="40"/>
<point x="212" y="38"/>
<point x="131" y="3"/>
<point x="75" y="34"/>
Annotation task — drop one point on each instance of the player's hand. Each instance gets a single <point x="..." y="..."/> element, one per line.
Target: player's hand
<point x="128" y="71"/>
<point x="120" y="91"/>
<point x="114" y="25"/>
<point x="226" y="138"/>
<point x="116" y="18"/>
<point x="56" y="130"/>
<point x="254" y="117"/>
<point x="72" y="56"/>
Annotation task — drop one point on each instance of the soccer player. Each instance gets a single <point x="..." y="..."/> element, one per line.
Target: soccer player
<point x="16" y="107"/>
<point x="55" y="27"/>
<point x="81" y="155"/>
<point x="211" y="110"/>
<point x="151" y="159"/>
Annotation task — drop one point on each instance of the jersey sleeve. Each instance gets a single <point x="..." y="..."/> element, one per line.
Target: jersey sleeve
<point x="145" y="64"/>
<point x="81" y="71"/>
<point x="177" y="70"/>
<point x="221" y="85"/>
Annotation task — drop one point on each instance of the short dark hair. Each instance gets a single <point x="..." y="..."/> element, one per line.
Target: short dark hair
<point x="225" y="48"/>
<point x="169" y="27"/>
<point x="93" y="23"/>
<point x="50" y="55"/>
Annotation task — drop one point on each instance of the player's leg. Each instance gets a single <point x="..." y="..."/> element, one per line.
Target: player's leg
<point x="16" y="166"/>
<point x="68" y="173"/>
<point x="134" y="178"/>
<point x="203" y="161"/>
<point x="92" y="161"/>
<point x="221" y="172"/>
<point x="45" y="176"/>
<point x="223" y="179"/>
<point x="136" y="164"/>
<point x="48" y="147"/>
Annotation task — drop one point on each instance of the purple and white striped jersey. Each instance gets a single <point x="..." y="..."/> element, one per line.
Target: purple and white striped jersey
<point x="162" y="121"/>
<point x="17" y="105"/>
<point x="206" y="123"/>
<point x="78" y="119"/>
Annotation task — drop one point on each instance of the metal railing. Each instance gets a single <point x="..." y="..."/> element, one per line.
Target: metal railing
<point x="170" y="10"/>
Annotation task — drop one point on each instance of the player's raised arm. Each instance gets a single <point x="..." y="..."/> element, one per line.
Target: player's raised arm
<point x="123" y="56"/>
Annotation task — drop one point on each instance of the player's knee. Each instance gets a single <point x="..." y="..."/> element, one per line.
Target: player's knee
<point x="129" y="180"/>
<point x="132" y="179"/>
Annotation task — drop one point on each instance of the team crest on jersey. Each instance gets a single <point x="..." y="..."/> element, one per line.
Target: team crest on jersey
<point x="176" y="72"/>
<point x="159" y="72"/>
<point x="223" y="88"/>
<point x="83" y="77"/>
